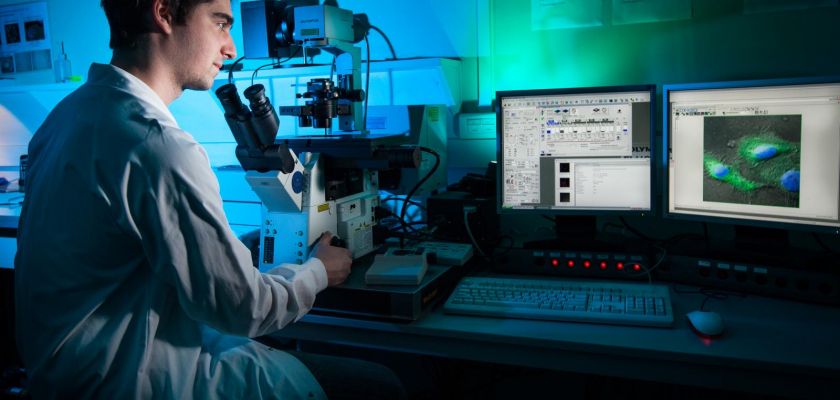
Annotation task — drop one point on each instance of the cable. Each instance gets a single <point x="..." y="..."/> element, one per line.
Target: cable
<point x="13" y="201"/>
<point x="507" y="249"/>
<point x="636" y="231"/>
<point x="419" y="237"/>
<point x="822" y="244"/>
<point x="649" y="271"/>
<point x="467" y="211"/>
<point x="254" y="75"/>
<point x="367" y="84"/>
<point x="412" y="223"/>
<point x="709" y="293"/>
<point x="412" y="202"/>
<point x="421" y="181"/>
<point x="388" y="41"/>
<point x="230" y="71"/>
<point x="397" y="217"/>
<point x="273" y="64"/>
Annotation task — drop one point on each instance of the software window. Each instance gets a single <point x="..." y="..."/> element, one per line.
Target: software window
<point x="761" y="153"/>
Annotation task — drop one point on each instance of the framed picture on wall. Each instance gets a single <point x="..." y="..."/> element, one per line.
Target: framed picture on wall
<point x="7" y="64"/>
<point x="12" y="33"/>
<point x="24" y="38"/>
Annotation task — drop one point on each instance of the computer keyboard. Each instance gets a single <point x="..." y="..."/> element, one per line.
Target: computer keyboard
<point x="572" y="300"/>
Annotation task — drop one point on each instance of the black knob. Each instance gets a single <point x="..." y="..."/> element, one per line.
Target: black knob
<point x="338" y="242"/>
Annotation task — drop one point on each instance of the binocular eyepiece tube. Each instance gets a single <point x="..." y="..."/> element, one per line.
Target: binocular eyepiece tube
<point x="255" y="128"/>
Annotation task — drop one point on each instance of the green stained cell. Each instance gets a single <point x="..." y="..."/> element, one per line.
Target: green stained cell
<point x="774" y="155"/>
<point x="725" y="173"/>
<point x="764" y="147"/>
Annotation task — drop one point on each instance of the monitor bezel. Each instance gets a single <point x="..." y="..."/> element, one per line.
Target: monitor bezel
<point x="654" y="206"/>
<point x="667" y="89"/>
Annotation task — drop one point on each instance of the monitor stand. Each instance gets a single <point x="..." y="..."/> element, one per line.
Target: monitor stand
<point x="762" y="241"/>
<point x="755" y="245"/>
<point x="575" y="233"/>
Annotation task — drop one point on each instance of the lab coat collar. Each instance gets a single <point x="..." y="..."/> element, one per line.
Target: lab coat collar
<point x="111" y="75"/>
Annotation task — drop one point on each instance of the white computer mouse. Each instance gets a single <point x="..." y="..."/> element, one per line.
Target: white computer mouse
<point x="707" y="324"/>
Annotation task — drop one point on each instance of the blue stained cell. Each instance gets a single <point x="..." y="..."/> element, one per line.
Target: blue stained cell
<point x="764" y="151"/>
<point x="720" y="171"/>
<point x="790" y="181"/>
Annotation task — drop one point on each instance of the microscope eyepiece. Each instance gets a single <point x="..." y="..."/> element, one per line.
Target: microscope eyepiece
<point x="229" y="98"/>
<point x="265" y="122"/>
<point x="259" y="102"/>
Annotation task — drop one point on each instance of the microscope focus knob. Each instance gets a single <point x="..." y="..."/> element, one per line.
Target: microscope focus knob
<point x="338" y="242"/>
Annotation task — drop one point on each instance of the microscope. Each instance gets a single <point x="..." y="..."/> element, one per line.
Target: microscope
<point x="312" y="184"/>
<point x="330" y="29"/>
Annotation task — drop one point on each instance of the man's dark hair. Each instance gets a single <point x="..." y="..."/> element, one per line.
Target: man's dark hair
<point x="129" y="19"/>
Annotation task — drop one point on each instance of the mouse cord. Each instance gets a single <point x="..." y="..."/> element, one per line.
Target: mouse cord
<point x="709" y="293"/>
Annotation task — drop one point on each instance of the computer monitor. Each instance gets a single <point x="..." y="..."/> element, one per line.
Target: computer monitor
<point x="576" y="152"/>
<point x="754" y="153"/>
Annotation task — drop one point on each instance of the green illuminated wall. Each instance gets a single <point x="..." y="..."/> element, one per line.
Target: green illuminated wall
<point x="718" y="42"/>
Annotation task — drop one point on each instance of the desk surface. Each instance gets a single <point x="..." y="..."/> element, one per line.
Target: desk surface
<point x="9" y="212"/>
<point x="770" y="346"/>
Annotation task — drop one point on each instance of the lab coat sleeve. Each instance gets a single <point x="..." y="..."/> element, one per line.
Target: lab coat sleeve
<point x="174" y="205"/>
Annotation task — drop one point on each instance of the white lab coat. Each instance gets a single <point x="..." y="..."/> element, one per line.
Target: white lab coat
<point x="127" y="270"/>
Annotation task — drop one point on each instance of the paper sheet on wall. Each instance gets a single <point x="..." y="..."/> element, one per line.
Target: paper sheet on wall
<point x="564" y="14"/>
<point x="763" y="6"/>
<point x="643" y="11"/>
<point x="24" y="38"/>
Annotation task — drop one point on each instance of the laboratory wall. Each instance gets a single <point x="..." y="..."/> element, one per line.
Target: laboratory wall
<point x="525" y="44"/>
<point x="713" y="40"/>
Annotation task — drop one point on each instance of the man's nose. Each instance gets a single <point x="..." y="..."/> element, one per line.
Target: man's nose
<point x="229" y="49"/>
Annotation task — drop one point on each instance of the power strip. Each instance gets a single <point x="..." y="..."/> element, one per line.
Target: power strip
<point x="589" y="264"/>
<point x="769" y="280"/>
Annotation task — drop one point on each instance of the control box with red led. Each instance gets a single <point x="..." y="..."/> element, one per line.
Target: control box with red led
<point x="593" y="264"/>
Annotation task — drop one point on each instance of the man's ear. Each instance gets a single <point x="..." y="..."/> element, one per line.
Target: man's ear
<point x="163" y="15"/>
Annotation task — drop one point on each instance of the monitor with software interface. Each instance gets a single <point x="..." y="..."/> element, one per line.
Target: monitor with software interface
<point x="757" y="153"/>
<point x="582" y="151"/>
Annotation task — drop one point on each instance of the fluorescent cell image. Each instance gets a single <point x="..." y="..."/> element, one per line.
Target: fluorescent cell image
<point x="752" y="159"/>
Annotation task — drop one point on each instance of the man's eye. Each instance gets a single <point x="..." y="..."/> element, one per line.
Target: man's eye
<point x="222" y="25"/>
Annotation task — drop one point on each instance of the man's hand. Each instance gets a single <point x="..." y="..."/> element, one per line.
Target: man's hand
<point x="336" y="260"/>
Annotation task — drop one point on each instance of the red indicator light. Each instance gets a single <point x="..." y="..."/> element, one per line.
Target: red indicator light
<point x="587" y="264"/>
<point x="637" y="267"/>
<point x="603" y="265"/>
<point x="620" y="266"/>
<point x="570" y="263"/>
<point x="554" y="262"/>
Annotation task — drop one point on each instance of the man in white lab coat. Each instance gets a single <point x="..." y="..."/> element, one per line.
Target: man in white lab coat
<point x="126" y="269"/>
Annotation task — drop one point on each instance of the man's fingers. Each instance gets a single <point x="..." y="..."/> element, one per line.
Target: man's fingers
<point x="325" y="236"/>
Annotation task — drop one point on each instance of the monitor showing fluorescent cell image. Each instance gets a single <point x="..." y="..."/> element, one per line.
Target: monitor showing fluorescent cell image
<point x="757" y="152"/>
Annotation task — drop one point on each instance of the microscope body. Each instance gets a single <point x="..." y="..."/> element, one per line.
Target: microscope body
<point x="309" y="185"/>
<point x="289" y="228"/>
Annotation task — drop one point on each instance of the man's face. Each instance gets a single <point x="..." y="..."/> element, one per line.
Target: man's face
<point x="203" y="42"/>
